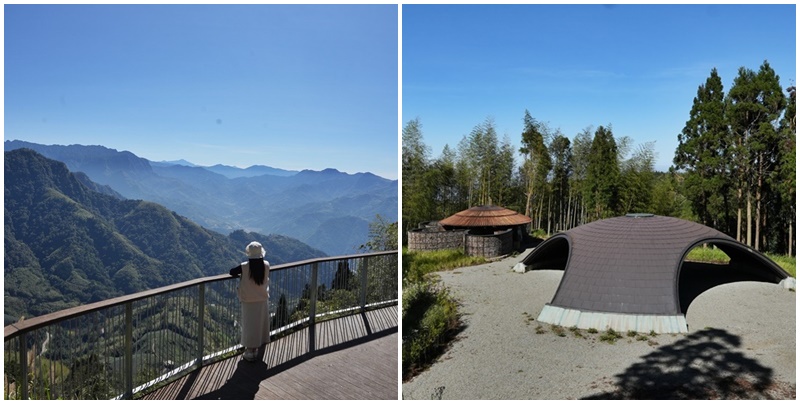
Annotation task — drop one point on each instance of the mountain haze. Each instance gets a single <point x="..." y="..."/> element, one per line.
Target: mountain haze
<point x="67" y="244"/>
<point x="312" y="206"/>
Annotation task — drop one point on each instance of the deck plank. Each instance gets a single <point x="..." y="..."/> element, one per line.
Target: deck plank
<point x="356" y="358"/>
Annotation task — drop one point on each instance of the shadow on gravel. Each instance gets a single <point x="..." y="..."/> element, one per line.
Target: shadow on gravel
<point x="702" y="365"/>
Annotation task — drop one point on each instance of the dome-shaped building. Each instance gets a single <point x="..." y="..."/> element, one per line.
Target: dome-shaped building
<point x="629" y="273"/>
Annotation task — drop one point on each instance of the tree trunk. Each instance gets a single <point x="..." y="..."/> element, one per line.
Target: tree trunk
<point x="759" y="181"/>
<point x="749" y="219"/>
<point x="791" y="227"/>
<point x="549" y="212"/>
<point x="739" y="215"/>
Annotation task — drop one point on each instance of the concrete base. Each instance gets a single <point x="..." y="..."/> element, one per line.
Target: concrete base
<point x="643" y="323"/>
<point x="789" y="283"/>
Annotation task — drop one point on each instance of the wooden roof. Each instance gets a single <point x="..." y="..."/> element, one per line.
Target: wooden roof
<point x="485" y="216"/>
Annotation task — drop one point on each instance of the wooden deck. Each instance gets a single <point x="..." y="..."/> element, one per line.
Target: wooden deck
<point x="356" y="357"/>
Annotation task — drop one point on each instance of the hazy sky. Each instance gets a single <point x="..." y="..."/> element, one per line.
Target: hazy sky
<point x="292" y="87"/>
<point x="573" y="66"/>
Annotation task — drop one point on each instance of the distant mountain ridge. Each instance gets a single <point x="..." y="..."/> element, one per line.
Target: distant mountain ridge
<point x="67" y="244"/>
<point x="312" y="206"/>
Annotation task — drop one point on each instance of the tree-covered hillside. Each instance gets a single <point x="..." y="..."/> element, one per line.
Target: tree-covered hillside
<point x="67" y="244"/>
<point x="307" y="205"/>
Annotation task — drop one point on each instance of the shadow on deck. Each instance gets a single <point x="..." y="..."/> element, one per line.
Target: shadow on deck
<point x="355" y="358"/>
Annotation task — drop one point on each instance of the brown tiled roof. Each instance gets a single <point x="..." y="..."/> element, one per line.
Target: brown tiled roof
<point x="485" y="216"/>
<point x="631" y="264"/>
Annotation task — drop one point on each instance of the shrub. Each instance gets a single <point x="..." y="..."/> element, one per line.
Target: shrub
<point x="430" y="318"/>
<point x="610" y="336"/>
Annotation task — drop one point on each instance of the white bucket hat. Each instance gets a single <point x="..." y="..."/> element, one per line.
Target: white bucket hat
<point x="255" y="250"/>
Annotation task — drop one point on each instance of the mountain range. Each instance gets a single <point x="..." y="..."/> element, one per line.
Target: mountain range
<point x="69" y="241"/>
<point x="328" y="210"/>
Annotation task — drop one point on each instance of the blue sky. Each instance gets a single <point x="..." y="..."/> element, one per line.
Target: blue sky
<point x="573" y="66"/>
<point x="293" y="87"/>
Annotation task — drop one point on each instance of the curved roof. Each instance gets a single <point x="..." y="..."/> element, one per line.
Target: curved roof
<point x="631" y="264"/>
<point x="485" y="216"/>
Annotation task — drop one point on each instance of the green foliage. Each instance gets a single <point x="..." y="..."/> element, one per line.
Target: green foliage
<point x="417" y="264"/>
<point x="717" y="256"/>
<point x="67" y="245"/>
<point x="382" y="236"/>
<point x="787" y="262"/>
<point x="707" y="254"/>
<point x="429" y="316"/>
<point x="610" y="336"/>
<point x="601" y="191"/>
<point x="704" y="152"/>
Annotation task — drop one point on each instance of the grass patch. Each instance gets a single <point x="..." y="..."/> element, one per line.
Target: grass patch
<point x="417" y="264"/>
<point x="610" y="336"/>
<point x="540" y="330"/>
<point x="592" y="331"/>
<point x="716" y="256"/>
<point x="632" y="333"/>
<point x="540" y="234"/>
<point x="641" y="337"/>
<point x="788" y="263"/>
<point x="576" y="331"/>
<point x="708" y="254"/>
<point x="558" y="330"/>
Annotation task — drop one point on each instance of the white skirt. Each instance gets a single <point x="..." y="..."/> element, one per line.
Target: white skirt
<point x="255" y="324"/>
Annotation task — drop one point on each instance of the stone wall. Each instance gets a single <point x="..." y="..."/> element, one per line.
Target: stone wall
<point x="486" y="245"/>
<point x="429" y="240"/>
<point x="491" y="245"/>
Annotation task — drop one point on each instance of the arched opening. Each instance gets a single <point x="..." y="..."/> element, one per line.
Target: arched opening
<point x="725" y="262"/>
<point x="553" y="253"/>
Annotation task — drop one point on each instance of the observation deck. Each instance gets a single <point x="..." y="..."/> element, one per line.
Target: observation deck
<point x="334" y="336"/>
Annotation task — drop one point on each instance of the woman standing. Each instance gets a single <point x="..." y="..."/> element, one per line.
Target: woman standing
<point x="254" y="298"/>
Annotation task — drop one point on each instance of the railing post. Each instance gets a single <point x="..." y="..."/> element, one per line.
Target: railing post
<point x="364" y="269"/>
<point x="23" y="362"/>
<point x="312" y="312"/>
<point x="201" y="323"/>
<point x="128" y="363"/>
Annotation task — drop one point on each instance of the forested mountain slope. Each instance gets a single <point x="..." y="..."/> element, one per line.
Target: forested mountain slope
<point x="329" y="210"/>
<point x="67" y="244"/>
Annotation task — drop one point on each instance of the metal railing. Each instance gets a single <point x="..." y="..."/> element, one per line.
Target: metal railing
<point x="122" y="347"/>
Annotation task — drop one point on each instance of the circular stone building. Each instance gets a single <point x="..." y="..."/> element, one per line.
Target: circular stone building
<point x="489" y="231"/>
<point x="630" y="273"/>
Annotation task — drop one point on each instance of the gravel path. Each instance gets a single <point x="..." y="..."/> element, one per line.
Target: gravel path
<point x="741" y="344"/>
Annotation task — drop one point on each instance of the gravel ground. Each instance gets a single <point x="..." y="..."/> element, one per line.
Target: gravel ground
<point x="741" y="344"/>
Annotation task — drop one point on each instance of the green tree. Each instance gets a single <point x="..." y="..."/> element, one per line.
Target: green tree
<point x="602" y="175"/>
<point x="479" y="151"/>
<point x="786" y="177"/>
<point x="753" y="107"/>
<point x="562" y="171"/>
<point x="382" y="235"/>
<point x="581" y="148"/>
<point x="764" y="146"/>
<point x="536" y="159"/>
<point x="783" y="179"/>
<point x="637" y="180"/>
<point x="416" y="155"/>
<point x="703" y="153"/>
